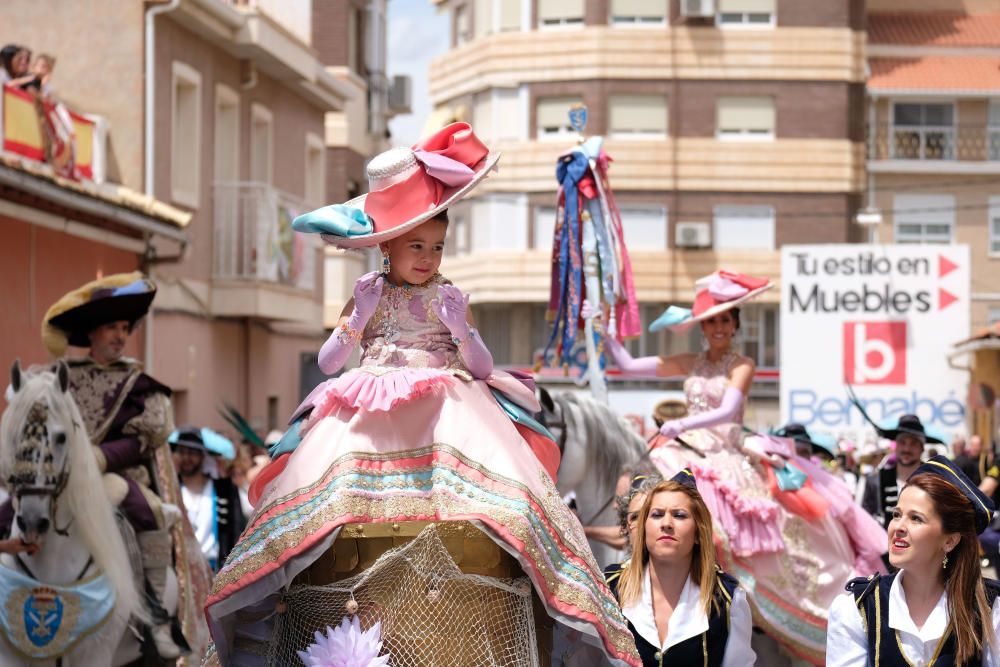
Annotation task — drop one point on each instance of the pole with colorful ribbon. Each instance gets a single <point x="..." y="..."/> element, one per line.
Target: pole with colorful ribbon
<point x="589" y="262"/>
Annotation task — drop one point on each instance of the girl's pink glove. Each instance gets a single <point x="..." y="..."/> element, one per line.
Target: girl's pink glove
<point x="337" y="348"/>
<point x="367" y="292"/>
<point x="452" y="308"/>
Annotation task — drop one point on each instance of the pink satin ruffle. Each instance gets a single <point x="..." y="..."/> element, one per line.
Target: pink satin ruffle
<point x="359" y="389"/>
<point x="751" y="523"/>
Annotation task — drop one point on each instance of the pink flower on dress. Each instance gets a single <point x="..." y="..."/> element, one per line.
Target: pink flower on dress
<point x="347" y="645"/>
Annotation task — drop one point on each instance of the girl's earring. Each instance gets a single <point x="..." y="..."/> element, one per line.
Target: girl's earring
<point x="385" y="264"/>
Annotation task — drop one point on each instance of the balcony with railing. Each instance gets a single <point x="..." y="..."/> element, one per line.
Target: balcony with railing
<point x="969" y="148"/>
<point x="261" y="268"/>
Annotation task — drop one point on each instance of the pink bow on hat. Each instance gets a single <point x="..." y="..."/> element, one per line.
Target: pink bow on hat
<point x="726" y="285"/>
<point x="444" y="162"/>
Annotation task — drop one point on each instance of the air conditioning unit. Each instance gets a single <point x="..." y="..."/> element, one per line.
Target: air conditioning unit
<point x="692" y="235"/>
<point x="400" y="94"/>
<point x="699" y="8"/>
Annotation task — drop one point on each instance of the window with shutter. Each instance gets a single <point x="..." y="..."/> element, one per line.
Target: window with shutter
<point x="637" y="116"/>
<point x="745" y="118"/>
<point x="638" y="12"/>
<point x="552" y="117"/>
<point x="556" y="13"/>
<point x="746" y="13"/>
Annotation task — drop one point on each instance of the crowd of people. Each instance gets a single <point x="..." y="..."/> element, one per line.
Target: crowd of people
<point x="723" y="530"/>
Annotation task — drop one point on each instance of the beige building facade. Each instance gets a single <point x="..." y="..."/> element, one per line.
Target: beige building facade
<point x="735" y="127"/>
<point x="934" y="132"/>
<point x="234" y="135"/>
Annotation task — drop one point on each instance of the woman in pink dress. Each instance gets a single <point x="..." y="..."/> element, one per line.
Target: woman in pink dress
<point x="425" y="429"/>
<point x="789" y="531"/>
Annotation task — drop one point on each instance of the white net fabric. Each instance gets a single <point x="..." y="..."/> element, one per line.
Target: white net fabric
<point x="431" y="612"/>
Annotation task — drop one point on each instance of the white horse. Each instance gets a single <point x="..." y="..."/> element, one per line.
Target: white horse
<point x="596" y="445"/>
<point x="59" y="503"/>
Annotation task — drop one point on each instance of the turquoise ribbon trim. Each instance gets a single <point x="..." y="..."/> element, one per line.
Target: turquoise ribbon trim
<point x="290" y="440"/>
<point x="519" y="415"/>
<point x="672" y="316"/>
<point x="336" y="219"/>
<point x="790" y="478"/>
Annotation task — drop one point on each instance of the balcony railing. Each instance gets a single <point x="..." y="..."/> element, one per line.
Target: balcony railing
<point x="972" y="142"/>
<point x="254" y="238"/>
<point x="46" y="131"/>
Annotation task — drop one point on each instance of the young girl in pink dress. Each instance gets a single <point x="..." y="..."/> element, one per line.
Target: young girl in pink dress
<point x="425" y="428"/>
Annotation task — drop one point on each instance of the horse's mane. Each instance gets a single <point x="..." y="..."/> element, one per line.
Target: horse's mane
<point x="614" y="443"/>
<point x="93" y="517"/>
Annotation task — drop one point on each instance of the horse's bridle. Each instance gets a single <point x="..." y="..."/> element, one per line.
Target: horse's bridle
<point x="54" y="492"/>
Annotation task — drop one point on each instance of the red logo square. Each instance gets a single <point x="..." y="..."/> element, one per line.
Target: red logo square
<point x="875" y="352"/>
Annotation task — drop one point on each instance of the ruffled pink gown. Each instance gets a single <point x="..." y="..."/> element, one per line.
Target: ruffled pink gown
<point x="411" y="436"/>
<point x="792" y="550"/>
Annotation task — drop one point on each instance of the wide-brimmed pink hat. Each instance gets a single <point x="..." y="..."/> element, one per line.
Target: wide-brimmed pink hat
<point x="407" y="187"/>
<point x="719" y="292"/>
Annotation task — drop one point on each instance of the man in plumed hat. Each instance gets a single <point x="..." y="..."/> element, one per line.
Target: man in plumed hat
<point x="882" y="487"/>
<point x="128" y="417"/>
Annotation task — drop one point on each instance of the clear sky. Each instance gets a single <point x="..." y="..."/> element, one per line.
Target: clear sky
<point x="417" y="33"/>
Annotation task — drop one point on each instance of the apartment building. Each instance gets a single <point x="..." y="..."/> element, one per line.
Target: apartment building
<point x="934" y="131"/>
<point x="216" y="108"/>
<point x="735" y="127"/>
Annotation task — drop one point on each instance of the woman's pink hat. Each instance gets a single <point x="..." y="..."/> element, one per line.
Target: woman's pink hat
<point x="407" y="187"/>
<point x="719" y="292"/>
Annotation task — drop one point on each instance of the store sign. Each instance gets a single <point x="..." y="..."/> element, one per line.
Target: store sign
<point x="882" y="318"/>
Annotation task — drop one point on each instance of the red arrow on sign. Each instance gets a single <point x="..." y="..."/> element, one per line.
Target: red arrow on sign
<point x="945" y="298"/>
<point x="945" y="266"/>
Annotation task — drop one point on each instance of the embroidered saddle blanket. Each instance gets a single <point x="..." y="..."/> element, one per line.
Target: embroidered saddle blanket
<point x="45" y="621"/>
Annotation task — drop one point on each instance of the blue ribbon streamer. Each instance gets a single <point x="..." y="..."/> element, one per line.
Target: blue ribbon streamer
<point x="570" y="271"/>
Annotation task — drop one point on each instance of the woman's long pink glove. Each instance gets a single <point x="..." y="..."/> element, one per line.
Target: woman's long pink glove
<point x="452" y="307"/>
<point x="643" y="366"/>
<point x="338" y="347"/>
<point x="728" y="410"/>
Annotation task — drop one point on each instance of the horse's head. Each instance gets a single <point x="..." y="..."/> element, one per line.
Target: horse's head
<point x="34" y="447"/>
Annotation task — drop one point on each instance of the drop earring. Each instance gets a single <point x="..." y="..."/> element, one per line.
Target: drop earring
<point x="385" y="264"/>
<point x="944" y="563"/>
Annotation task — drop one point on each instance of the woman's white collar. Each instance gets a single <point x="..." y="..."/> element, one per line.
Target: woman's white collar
<point x="899" y="614"/>
<point x="688" y="619"/>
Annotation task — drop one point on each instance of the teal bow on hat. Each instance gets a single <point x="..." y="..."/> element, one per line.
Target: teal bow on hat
<point x="335" y="219"/>
<point x="673" y="315"/>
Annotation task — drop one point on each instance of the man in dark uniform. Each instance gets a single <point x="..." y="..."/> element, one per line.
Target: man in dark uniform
<point x="212" y="502"/>
<point x="882" y="487"/>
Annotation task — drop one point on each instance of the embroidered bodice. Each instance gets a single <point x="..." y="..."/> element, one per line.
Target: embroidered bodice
<point x="406" y="332"/>
<point x="707" y="382"/>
